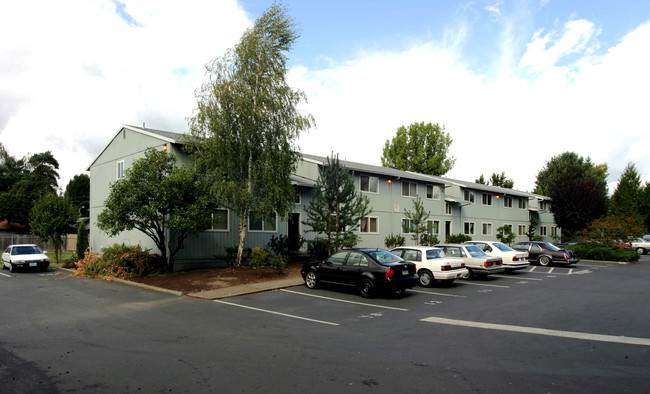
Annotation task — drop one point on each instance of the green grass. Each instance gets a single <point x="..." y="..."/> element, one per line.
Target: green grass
<point x="63" y="256"/>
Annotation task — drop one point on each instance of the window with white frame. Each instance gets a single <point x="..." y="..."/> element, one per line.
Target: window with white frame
<point x="523" y="203"/>
<point x="433" y="227"/>
<point x="468" y="228"/>
<point x="543" y="206"/>
<point x="468" y="196"/>
<point x="298" y="195"/>
<point x="521" y="229"/>
<point x="369" y="184"/>
<point x="368" y="225"/>
<point x="487" y="199"/>
<point x="120" y="169"/>
<point x="553" y="231"/>
<point x="448" y="208"/>
<point x="507" y="202"/>
<point x="487" y="229"/>
<point x="407" y="226"/>
<point x="409" y="189"/>
<point x="542" y="231"/>
<point x="257" y="224"/>
<point x="433" y="192"/>
<point x="220" y="220"/>
<point x="507" y="225"/>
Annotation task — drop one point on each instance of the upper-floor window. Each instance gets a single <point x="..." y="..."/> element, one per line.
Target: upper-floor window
<point x="298" y="194"/>
<point x="543" y="205"/>
<point x="260" y="224"/>
<point x="523" y="203"/>
<point x="448" y="208"/>
<point x="409" y="189"/>
<point x="468" y="196"/>
<point x="487" y="199"/>
<point x="369" y="183"/>
<point x="120" y="169"/>
<point x="507" y="202"/>
<point x="433" y="192"/>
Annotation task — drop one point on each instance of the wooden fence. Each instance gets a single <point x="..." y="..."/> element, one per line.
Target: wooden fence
<point x="69" y="243"/>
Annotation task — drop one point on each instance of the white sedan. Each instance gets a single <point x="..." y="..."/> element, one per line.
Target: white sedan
<point x="641" y="245"/>
<point x="24" y="256"/>
<point x="476" y="261"/>
<point x="432" y="264"/>
<point x="512" y="259"/>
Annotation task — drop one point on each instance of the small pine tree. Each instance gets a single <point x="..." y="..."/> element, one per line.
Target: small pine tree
<point x="82" y="240"/>
<point x="417" y="220"/>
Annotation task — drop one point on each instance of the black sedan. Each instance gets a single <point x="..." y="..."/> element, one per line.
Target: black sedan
<point x="545" y="253"/>
<point x="369" y="270"/>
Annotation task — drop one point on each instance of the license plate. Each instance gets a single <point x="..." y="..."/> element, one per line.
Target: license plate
<point x="33" y="264"/>
<point x="405" y="272"/>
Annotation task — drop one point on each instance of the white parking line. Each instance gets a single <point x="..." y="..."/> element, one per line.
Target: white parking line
<point x="440" y="294"/>
<point x="481" y="284"/>
<point x="8" y="276"/>
<point x="277" y="313"/>
<point x="339" y="300"/>
<point x="542" y="331"/>
<point x="515" y="277"/>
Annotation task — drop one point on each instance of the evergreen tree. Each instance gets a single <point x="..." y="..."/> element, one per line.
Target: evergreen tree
<point x="82" y="241"/>
<point x="416" y="220"/>
<point x="337" y="209"/>
<point x="627" y="199"/>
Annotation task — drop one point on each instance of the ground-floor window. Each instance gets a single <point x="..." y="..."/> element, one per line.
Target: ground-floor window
<point x="521" y="229"/>
<point x="368" y="225"/>
<point x="220" y="221"/>
<point x="260" y="224"/>
<point x="542" y="231"/>
<point x="487" y="229"/>
<point x="468" y="228"/>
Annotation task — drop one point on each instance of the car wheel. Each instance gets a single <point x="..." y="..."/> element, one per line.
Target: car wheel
<point x="311" y="280"/>
<point x="544" y="261"/>
<point x="366" y="288"/>
<point x="426" y="278"/>
<point x="12" y="268"/>
<point x="640" y="250"/>
<point x="467" y="275"/>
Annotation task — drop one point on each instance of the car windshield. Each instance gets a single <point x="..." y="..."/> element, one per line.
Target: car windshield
<point x="503" y="247"/>
<point x="18" y="250"/>
<point x="475" y="251"/>
<point x="435" y="254"/>
<point x="383" y="256"/>
<point x="551" y="246"/>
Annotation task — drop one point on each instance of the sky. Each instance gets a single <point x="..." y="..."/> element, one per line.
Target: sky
<point x="514" y="83"/>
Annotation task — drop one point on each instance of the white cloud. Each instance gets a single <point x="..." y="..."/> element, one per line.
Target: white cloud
<point x="74" y="71"/>
<point x="510" y="123"/>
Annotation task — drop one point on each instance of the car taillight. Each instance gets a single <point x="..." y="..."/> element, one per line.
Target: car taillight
<point x="515" y="258"/>
<point x="390" y="273"/>
<point x="462" y="265"/>
<point x="499" y="262"/>
<point x="566" y="256"/>
<point x="487" y="264"/>
<point x="445" y="268"/>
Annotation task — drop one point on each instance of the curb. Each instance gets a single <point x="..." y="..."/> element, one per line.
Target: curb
<point x="147" y="287"/>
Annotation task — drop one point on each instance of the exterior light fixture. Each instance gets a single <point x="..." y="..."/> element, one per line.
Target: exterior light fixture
<point x="390" y="181"/>
<point x="165" y="147"/>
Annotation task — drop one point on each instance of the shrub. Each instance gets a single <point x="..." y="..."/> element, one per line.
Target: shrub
<point x="428" y="239"/>
<point x="317" y="248"/>
<point x="278" y="263"/>
<point x="121" y="261"/>
<point x="285" y="246"/>
<point x="458" y="238"/>
<point x="590" y="251"/>
<point x="393" y="241"/>
<point x="259" y="257"/>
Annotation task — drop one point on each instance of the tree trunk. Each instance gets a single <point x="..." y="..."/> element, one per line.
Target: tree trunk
<point x="242" y="238"/>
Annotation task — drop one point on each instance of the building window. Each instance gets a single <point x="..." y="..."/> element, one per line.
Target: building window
<point x="368" y="225"/>
<point x="409" y="189"/>
<point x="521" y="229"/>
<point x="509" y="226"/>
<point x="468" y="228"/>
<point x="542" y="205"/>
<point x="487" y="199"/>
<point x="220" y="220"/>
<point x="448" y="209"/>
<point x="487" y="229"/>
<point x="554" y="231"/>
<point x="433" y="192"/>
<point x="523" y="203"/>
<point x="407" y="226"/>
<point x="433" y="227"/>
<point x="369" y="184"/>
<point x="507" y="202"/>
<point x="468" y="196"/>
<point x="265" y="225"/>
<point x="542" y="231"/>
<point x="298" y="194"/>
<point x="120" y="169"/>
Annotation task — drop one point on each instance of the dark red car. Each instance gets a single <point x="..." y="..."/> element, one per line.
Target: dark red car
<point x="545" y="253"/>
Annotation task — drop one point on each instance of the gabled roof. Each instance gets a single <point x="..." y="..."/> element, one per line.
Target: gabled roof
<point x="166" y="136"/>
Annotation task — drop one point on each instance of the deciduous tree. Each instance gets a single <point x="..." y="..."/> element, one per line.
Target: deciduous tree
<point x="51" y="218"/>
<point x="244" y="131"/>
<point x="78" y="193"/>
<point x="421" y="148"/>
<point x="165" y="202"/>
<point x="416" y="220"/>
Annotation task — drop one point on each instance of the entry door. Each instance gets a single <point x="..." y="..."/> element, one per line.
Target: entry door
<point x="448" y="229"/>
<point x="293" y="229"/>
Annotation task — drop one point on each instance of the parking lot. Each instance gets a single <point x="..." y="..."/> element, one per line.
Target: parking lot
<point x="545" y="329"/>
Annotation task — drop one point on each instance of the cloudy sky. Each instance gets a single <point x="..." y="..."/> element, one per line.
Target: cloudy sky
<point x="514" y="82"/>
